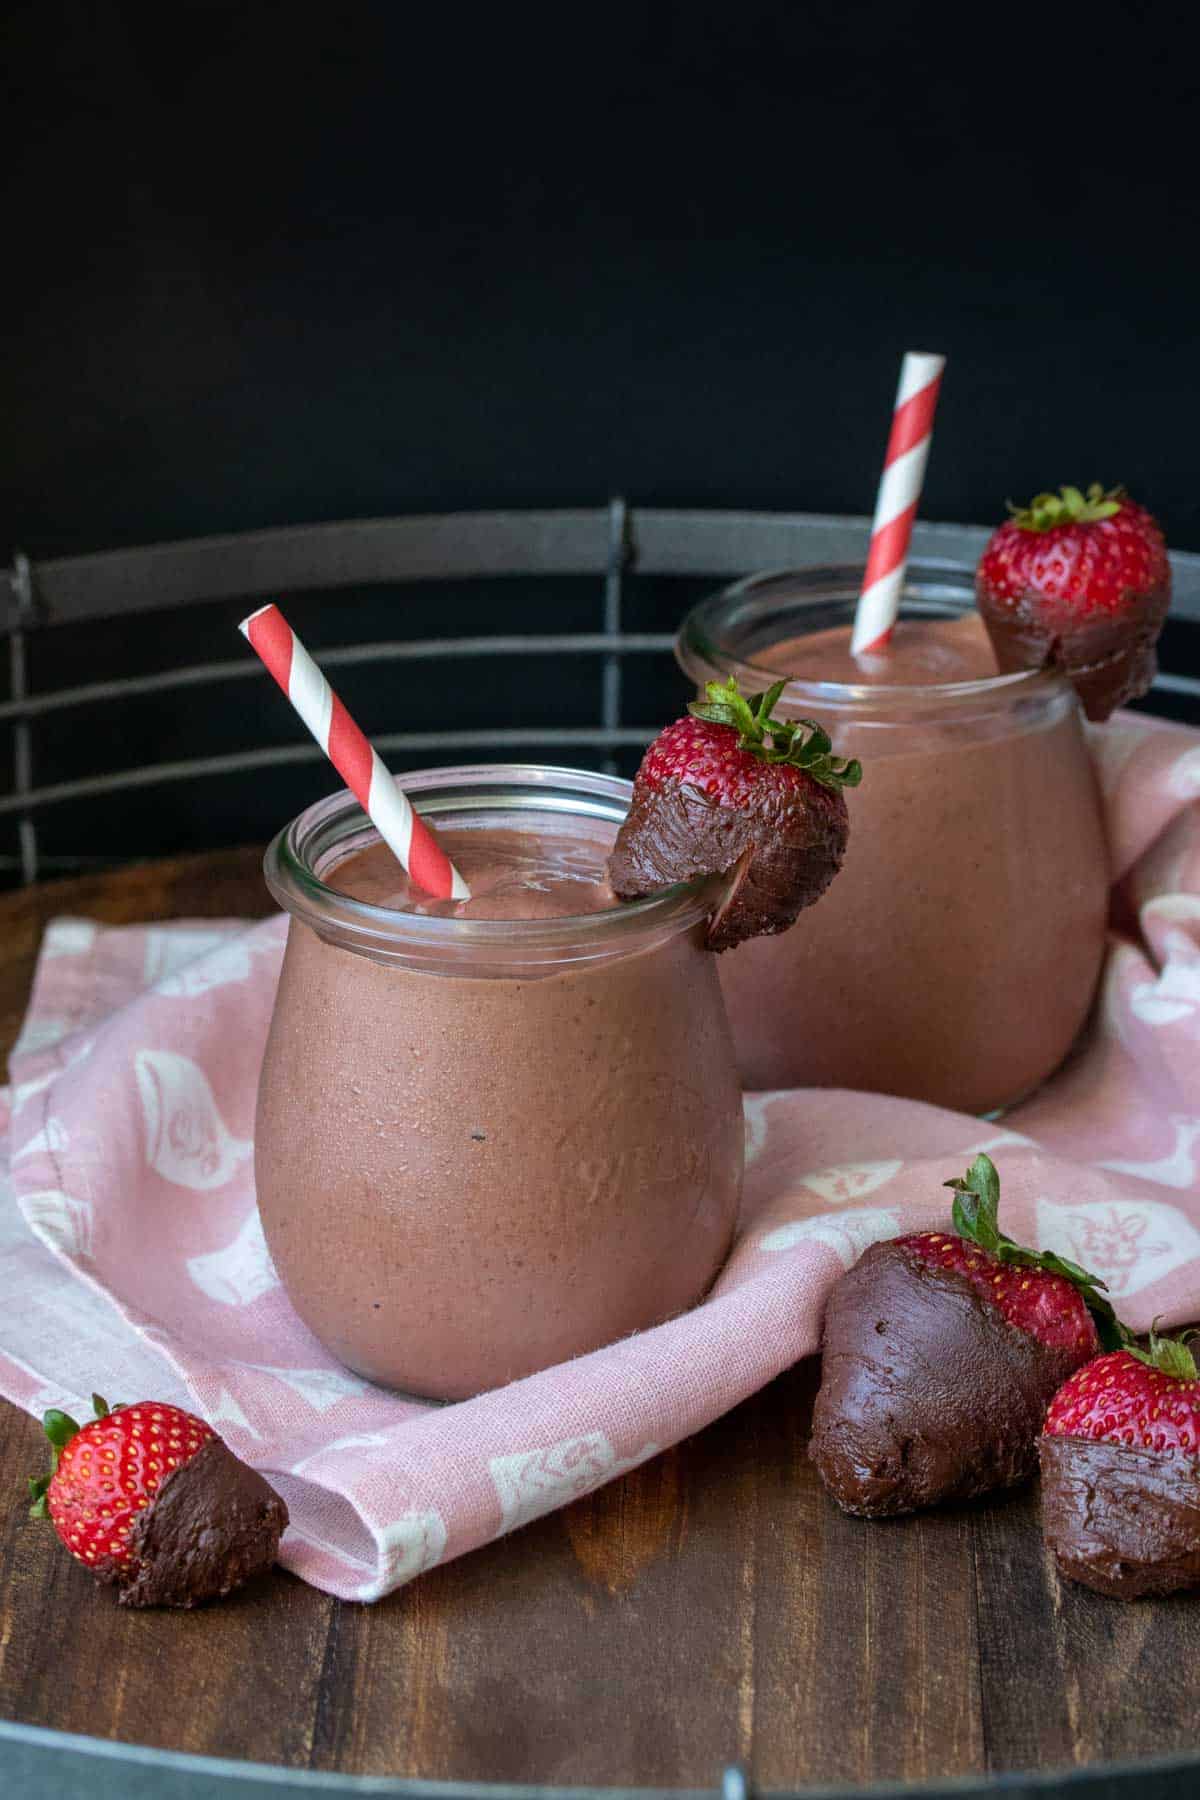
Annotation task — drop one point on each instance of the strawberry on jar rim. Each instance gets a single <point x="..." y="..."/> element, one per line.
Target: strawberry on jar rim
<point x="1080" y="583"/>
<point x="1120" y="1458"/>
<point x="732" y="790"/>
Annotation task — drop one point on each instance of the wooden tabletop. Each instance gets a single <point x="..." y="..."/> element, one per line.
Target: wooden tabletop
<point x="710" y="1607"/>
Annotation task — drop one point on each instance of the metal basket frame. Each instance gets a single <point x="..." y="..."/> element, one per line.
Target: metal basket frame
<point x="53" y="1765"/>
<point x="605" y="542"/>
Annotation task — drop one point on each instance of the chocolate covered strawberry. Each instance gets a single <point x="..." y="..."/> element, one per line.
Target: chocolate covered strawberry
<point x="1079" y="583"/>
<point x="941" y="1352"/>
<point x="147" y="1496"/>
<point x="732" y="790"/>
<point x="1120" y="1459"/>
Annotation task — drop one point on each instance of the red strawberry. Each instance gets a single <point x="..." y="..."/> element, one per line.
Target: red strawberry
<point x="149" y="1497"/>
<point x="1121" y="1472"/>
<point x="1082" y="585"/>
<point x="1029" y="1294"/>
<point x="108" y="1472"/>
<point x="732" y="789"/>
<point x="941" y="1353"/>
<point x="1146" y="1398"/>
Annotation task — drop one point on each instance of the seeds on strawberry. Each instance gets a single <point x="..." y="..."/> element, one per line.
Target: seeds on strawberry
<point x="1081" y="584"/>
<point x="731" y="790"/>
<point x="1120" y="1459"/>
<point x="114" y="1444"/>
<point x="168" y="1529"/>
<point x="1049" y="1306"/>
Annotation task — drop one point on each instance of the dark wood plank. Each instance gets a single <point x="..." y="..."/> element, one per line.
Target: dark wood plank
<point x="570" y="1653"/>
<point x="239" y="1679"/>
<point x="712" y="1606"/>
<point x="867" y="1627"/>
<point x="1067" y="1676"/>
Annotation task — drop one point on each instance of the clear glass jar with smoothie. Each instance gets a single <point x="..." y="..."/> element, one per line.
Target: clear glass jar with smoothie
<point x="956" y="957"/>
<point x="497" y="1133"/>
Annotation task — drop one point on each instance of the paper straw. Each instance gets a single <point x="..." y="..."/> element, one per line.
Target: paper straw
<point x="386" y="805"/>
<point x="897" y="501"/>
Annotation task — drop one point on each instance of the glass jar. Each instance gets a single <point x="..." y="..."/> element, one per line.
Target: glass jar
<point x="956" y="955"/>
<point x="485" y="1146"/>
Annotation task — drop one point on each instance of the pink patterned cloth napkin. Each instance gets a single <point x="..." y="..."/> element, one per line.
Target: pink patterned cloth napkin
<point x="132" y="1260"/>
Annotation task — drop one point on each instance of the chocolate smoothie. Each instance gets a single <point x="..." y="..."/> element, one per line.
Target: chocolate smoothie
<point x="956" y="956"/>
<point x="510" y="1143"/>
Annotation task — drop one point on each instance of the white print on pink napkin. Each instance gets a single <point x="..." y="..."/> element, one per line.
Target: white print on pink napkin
<point x="132" y="1259"/>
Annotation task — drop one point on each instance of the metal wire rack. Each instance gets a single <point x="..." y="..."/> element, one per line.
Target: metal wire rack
<point x="608" y="544"/>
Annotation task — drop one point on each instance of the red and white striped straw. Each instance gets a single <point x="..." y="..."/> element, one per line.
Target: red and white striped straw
<point x="898" y="499"/>
<point x="386" y="805"/>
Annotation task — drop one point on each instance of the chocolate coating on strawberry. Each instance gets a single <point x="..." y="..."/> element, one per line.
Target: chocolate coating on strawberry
<point x="1120" y="1459"/>
<point x="730" y="790"/>
<point x="927" y="1393"/>
<point x="1119" y="1519"/>
<point x="940" y="1357"/>
<point x="1080" y="584"/>
<point x="149" y="1498"/>
<point x="214" y="1524"/>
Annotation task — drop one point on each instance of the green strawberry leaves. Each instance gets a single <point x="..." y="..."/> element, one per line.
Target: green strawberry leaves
<point x="974" y="1216"/>
<point x="1170" y="1356"/>
<point x="60" y="1428"/>
<point x="1068" y="507"/>
<point x="801" y="742"/>
<point x="976" y="1205"/>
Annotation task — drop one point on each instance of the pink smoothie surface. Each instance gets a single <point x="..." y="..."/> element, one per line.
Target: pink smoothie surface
<point x="512" y="874"/>
<point x="920" y="653"/>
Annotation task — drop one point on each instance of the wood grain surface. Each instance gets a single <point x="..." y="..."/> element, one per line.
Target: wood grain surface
<point x="709" y="1607"/>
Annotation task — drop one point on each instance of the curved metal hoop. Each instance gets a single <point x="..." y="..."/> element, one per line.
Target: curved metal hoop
<point x="605" y="542"/>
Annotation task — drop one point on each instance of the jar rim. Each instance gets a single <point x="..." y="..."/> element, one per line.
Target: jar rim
<point x="387" y="934"/>
<point x="933" y="588"/>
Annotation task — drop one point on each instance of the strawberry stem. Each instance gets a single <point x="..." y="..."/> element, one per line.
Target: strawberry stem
<point x="975" y="1218"/>
<point x="1068" y="507"/>
<point x="60" y="1428"/>
<point x="1170" y="1356"/>
<point x="801" y="742"/>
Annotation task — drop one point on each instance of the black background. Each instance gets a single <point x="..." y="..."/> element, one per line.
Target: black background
<point x="264" y="265"/>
